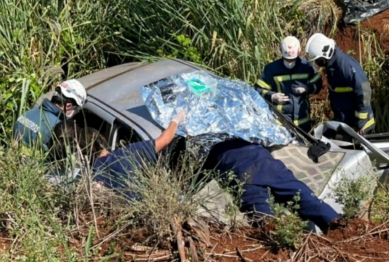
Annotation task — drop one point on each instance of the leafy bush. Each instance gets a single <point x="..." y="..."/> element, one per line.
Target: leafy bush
<point x="352" y="192"/>
<point x="289" y="228"/>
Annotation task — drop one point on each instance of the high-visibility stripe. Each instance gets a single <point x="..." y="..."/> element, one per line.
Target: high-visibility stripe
<point x="264" y="92"/>
<point x="299" y="76"/>
<point x="315" y="78"/>
<point x="314" y="88"/>
<point x="343" y="89"/>
<point x="279" y="107"/>
<point x="361" y="115"/>
<point x="263" y="84"/>
<point x="368" y="124"/>
<point x="281" y="78"/>
<point x="301" y="121"/>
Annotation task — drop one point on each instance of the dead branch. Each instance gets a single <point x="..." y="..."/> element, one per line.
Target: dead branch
<point x="241" y="256"/>
<point x="176" y="226"/>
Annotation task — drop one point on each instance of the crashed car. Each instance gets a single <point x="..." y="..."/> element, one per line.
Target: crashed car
<point x="115" y="106"/>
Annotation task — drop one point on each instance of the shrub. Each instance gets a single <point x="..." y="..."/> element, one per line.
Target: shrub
<point x="288" y="228"/>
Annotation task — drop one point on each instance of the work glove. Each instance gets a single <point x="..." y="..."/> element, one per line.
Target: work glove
<point x="298" y="90"/>
<point x="279" y="98"/>
<point x="180" y="117"/>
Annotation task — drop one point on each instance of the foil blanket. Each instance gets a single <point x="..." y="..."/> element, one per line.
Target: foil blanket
<point x="229" y="109"/>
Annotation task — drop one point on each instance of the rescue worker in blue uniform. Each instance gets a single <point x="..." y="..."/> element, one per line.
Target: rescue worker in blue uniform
<point x="253" y="165"/>
<point x="38" y="123"/>
<point x="112" y="169"/>
<point x="288" y="82"/>
<point x="349" y="88"/>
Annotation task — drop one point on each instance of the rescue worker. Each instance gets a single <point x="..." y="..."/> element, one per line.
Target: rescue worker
<point x="349" y="88"/>
<point x="288" y="82"/>
<point x="38" y="123"/>
<point x="113" y="169"/>
<point x="253" y="165"/>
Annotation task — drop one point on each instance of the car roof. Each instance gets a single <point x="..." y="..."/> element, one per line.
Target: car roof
<point x="118" y="88"/>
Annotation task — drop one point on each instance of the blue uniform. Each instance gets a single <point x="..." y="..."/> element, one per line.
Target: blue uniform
<point x="116" y="169"/>
<point x="349" y="92"/>
<point x="255" y="166"/>
<point x="38" y="123"/>
<point x="276" y="78"/>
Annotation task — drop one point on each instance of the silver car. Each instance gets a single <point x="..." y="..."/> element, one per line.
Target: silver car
<point x="116" y="108"/>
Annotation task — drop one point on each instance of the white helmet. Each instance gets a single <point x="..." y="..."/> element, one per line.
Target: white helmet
<point x="319" y="45"/>
<point x="290" y="47"/>
<point x="73" y="89"/>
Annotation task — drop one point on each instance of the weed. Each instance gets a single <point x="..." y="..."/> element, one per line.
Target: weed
<point x="288" y="227"/>
<point x="351" y="193"/>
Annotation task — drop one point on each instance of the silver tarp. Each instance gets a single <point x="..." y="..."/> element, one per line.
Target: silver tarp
<point x="228" y="107"/>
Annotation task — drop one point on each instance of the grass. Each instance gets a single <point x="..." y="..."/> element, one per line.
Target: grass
<point x="46" y="42"/>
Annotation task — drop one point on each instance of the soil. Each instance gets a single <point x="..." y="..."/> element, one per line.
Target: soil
<point x="358" y="240"/>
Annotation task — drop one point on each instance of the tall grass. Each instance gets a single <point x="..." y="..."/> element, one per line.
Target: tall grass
<point x="374" y="62"/>
<point x="43" y="42"/>
<point x="236" y="38"/>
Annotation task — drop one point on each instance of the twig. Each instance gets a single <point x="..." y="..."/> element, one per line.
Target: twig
<point x="111" y="235"/>
<point x="267" y="251"/>
<point x="302" y="247"/>
<point x="222" y="255"/>
<point x="193" y="250"/>
<point x="211" y="252"/>
<point x="180" y="241"/>
<point x="241" y="256"/>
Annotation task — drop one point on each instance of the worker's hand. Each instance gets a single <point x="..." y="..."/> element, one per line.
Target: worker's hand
<point x="361" y="131"/>
<point x="298" y="90"/>
<point x="279" y="98"/>
<point x="180" y="117"/>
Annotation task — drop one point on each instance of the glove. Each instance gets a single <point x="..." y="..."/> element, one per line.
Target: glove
<point x="298" y="90"/>
<point x="279" y="98"/>
<point x="180" y="117"/>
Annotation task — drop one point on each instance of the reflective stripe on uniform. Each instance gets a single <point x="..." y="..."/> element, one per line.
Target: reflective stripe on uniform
<point x="368" y="124"/>
<point x="301" y="121"/>
<point x="279" y="79"/>
<point x="343" y="89"/>
<point x="314" y="79"/>
<point x="361" y="115"/>
<point x="264" y="92"/>
<point x="279" y="108"/>
<point x="299" y="76"/>
<point x="263" y="84"/>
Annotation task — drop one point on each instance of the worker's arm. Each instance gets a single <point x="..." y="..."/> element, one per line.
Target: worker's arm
<point x="168" y="134"/>
<point x="265" y="84"/>
<point x="362" y="92"/>
<point x="315" y="82"/>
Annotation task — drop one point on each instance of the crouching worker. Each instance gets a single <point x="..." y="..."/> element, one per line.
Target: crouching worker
<point x="256" y="167"/>
<point x="37" y="124"/>
<point x="112" y="169"/>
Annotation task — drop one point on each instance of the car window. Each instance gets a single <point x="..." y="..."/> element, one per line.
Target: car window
<point x="86" y="118"/>
<point x="124" y="135"/>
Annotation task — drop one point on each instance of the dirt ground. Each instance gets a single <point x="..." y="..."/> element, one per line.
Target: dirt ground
<point x="357" y="241"/>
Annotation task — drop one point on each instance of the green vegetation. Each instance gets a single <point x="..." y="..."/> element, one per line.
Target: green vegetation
<point x="288" y="229"/>
<point x="44" y="42"/>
